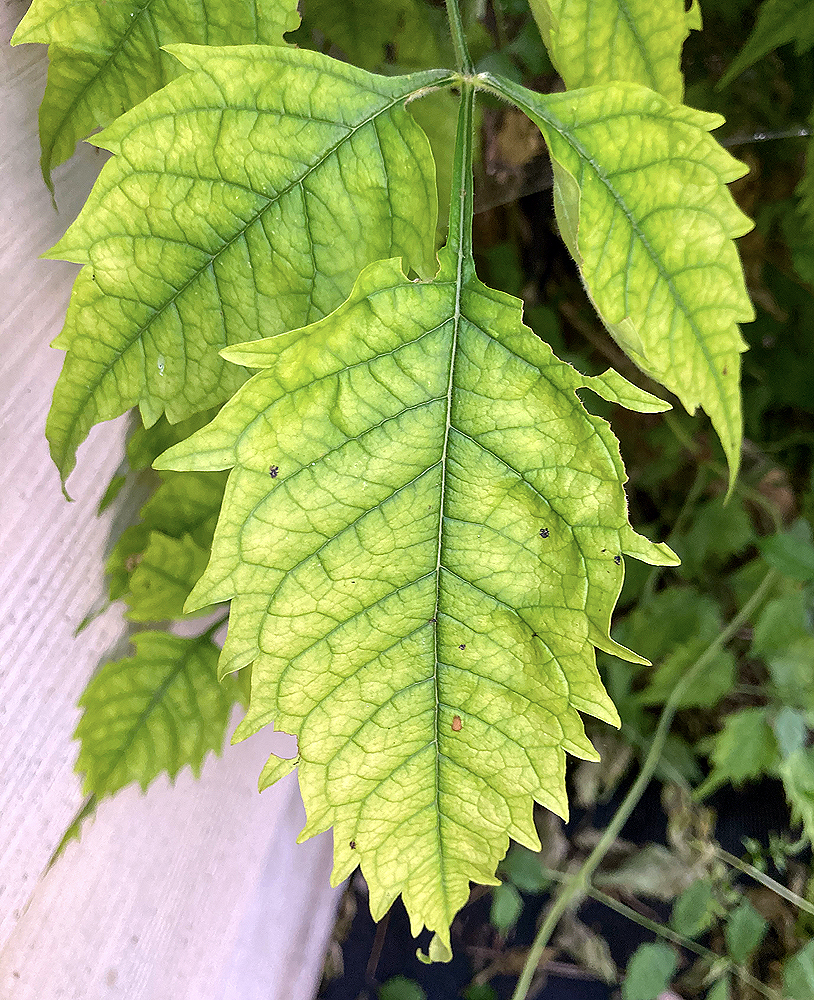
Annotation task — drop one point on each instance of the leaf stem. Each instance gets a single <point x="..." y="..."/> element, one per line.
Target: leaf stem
<point x="462" y="57"/>
<point x="461" y="203"/>
<point x="579" y="882"/>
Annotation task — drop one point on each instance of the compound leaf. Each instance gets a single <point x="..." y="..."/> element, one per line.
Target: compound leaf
<point x="153" y="712"/>
<point x="106" y="57"/>
<point x="599" y="41"/>
<point x="641" y="200"/>
<point x="778" y="22"/>
<point x="243" y="200"/>
<point x="422" y="538"/>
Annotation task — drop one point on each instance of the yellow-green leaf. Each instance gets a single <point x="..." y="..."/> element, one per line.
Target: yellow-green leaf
<point x="641" y="200"/>
<point x="106" y="55"/>
<point x="242" y="200"/>
<point x="599" y="41"/>
<point x="422" y="537"/>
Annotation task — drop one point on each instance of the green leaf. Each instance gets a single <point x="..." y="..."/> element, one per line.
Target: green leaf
<point x="778" y="22"/>
<point x="153" y="712"/>
<point x="742" y="751"/>
<point x="524" y="869"/>
<point x="673" y="628"/>
<point x="164" y="576"/>
<point x="744" y="931"/>
<point x="641" y="201"/>
<point x="177" y="522"/>
<point x="695" y="909"/>
<point x="186" y="504"/>
<point x="221" y="219"/>
<point x="372" y="42"/>
<point x="145" y="444"/>
<point x="599" y="41"/>
<point x="106" y="57"/>
<point x="798" y="974"/>
<point x="721" y="990"/>
<point x="480" y="991"/>
<point x="649" y="972"/>
<point x="401" y="988"/>
<point x="718" y="531"/>
<point x="507" y="905"/>
<point x="791" y="551"/>
<point x="421" y="587"/>
<point x="797" y="772"/>
<point x="781" y="623"/>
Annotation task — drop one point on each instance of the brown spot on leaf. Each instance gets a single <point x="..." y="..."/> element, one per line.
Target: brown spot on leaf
<point x="456" y="723"/>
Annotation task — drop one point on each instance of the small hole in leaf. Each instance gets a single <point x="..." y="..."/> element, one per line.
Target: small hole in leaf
<point x="273" y="470"/>
<point x="617" y="560"/>
<point x="544" y="532"/>
<point x="462" y="646"/>
<point x="352" y="845"/>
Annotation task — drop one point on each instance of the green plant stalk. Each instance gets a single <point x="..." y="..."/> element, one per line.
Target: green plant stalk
<point x="763" y="879"/>
<point x="462" y="57"/>
<point x="579" y="882"/>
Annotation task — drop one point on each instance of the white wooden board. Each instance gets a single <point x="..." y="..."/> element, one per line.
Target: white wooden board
<point x="197" y="891"/>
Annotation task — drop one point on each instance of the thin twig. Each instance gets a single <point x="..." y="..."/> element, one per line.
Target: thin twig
<point x="767" y="880"/>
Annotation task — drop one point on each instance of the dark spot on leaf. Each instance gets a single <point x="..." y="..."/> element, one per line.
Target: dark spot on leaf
<point x="433" y="621"/>
<point x="273" y="470"/>
<point x="462" y="646"/>
<point x="724" y="372"/>
<point x="534" y="635"/>
<point x="617" y="560"/>
<point x="352" y="845"/>
<point x="456" y="723"/>
<point x="544" y="532"/>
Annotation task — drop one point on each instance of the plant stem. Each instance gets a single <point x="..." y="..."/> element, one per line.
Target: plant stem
<point x="579" y="882"/>
<point x="462" y="57"/>
<point x="461" y="205"/>
<point x="767" y="880"/>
